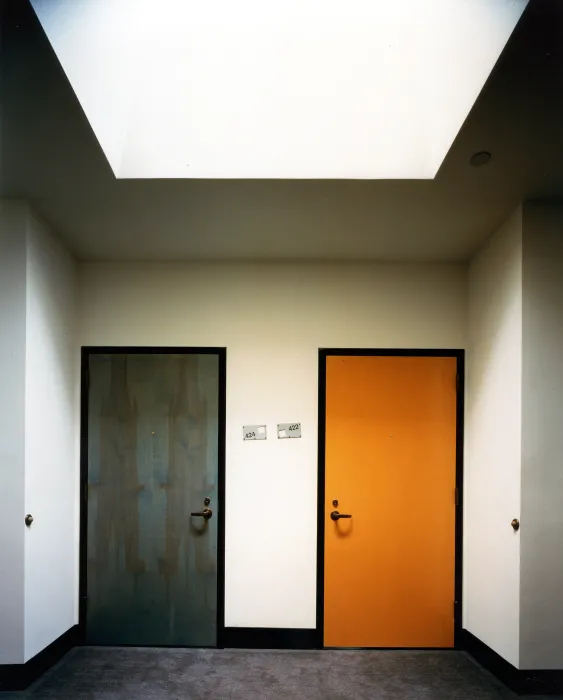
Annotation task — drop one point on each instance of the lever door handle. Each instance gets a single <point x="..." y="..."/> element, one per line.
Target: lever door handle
<point x="335" y="515"/>
<point x="205" y="513"/>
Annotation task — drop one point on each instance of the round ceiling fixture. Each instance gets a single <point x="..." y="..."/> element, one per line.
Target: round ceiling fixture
<point x="481" y="158"/>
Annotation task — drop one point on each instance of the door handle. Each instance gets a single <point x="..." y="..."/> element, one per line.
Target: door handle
<point x="335" y="515"/>
<point x="205" y="513"/>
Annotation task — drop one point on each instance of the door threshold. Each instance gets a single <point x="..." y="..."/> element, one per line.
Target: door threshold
<point x="390" y="649"/>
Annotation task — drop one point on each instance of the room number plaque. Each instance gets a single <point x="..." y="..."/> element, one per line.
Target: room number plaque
<point x="254" y="432"/>
<point x="289" y="430"/>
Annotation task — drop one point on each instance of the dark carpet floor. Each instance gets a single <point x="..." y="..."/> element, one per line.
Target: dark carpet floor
<point x="106" y="673"/>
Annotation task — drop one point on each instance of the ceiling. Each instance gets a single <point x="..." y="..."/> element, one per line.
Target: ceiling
<point x="345" y="89"/>
<point x="51" y="157"/>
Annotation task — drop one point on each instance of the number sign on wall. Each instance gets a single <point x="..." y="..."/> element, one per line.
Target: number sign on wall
<point x="289" y="430"/>
<point x="254" y="432"/>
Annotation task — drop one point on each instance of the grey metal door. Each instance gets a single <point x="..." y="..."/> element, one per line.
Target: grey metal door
<point x="153" y="436"/>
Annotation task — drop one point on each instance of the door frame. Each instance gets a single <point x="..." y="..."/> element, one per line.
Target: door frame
<point x="386" y="352"/>
<point x="86" y="352"/>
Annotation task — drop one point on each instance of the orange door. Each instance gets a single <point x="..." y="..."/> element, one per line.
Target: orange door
<point x="390" y="463"/>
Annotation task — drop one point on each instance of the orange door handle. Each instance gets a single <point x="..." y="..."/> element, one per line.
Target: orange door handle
<point x="335" y="515"/>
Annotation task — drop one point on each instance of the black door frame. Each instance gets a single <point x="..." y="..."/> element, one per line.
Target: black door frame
<point x="86" y="351"/>
<point x="385" y="352"/>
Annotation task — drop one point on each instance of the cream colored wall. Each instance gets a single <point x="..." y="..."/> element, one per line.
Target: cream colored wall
<point x="39" y="442"/>
<point x="272" y="318"/>
<point x="492" y="467"/>
<point x="51" y="439"/>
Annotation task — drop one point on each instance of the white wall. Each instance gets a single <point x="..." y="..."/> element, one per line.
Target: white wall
<point x="272" y="318"/>
<point x="12" y="445"/>
<point x="39" y="436"/>
<point x="51" y="440"/>
<point x="541" y="604"/>
<point x="492" y="467"/>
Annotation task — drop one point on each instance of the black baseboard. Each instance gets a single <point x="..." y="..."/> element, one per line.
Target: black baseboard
<point x="269" y="638"/>
<point x="493" y="662"/>
<point x="20" y="676"/>
<point x="541" y="682"/>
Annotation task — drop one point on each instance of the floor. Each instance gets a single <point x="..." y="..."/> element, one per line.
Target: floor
<point x="105" y="673"/>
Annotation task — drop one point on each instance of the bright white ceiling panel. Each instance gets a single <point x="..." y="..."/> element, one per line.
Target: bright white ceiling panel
<point x="362" y="89"/>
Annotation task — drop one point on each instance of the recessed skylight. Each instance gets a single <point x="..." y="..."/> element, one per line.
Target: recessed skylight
<point x="362" y="89"/>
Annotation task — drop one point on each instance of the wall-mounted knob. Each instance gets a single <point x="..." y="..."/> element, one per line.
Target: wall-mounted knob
<point x="28" y="520"/>
<point x="515" y="524"/>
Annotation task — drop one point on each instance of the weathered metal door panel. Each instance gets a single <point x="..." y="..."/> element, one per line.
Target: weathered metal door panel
<point x="153" y="434"/>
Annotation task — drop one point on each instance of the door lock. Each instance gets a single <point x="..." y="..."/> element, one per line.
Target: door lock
<point x="206" y="513"/>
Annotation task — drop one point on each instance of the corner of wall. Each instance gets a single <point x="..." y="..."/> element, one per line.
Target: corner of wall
<point x="493" y="419"/>
<point x="51" y="425"/>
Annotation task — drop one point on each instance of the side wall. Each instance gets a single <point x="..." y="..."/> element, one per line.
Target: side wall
<point x="492" y="442"/>
<point x="12" y="435"/>
<point x="541" y="603"/>
<point x="273" y="318"/>
<point x="51" y="440"/>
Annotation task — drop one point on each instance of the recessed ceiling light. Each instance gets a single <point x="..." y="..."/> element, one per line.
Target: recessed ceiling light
<point x="481" y="158"/>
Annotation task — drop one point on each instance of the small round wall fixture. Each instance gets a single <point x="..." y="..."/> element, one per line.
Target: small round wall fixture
<point x="479" y="159"/>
